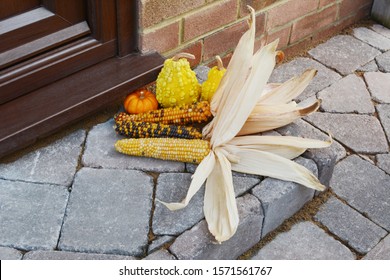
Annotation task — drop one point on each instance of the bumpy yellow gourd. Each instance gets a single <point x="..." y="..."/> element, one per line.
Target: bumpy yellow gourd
<point x="213" y="79"/>
<point x="177" y="84"/>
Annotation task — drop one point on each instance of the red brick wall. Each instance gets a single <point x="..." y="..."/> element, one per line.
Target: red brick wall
<point x="213" y="27"/>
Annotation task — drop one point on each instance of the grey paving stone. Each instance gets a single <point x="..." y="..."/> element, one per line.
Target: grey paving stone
<point x="160" y="255"/>
<point x="64" y="255"/>
<point x="108" y="212"/>
<point x="381" y="30"/>
<point x="100" y="152"/>
<point x="191" y="167"/>
<point x="379" y="86"/>
<point x="348" y="95"/>
<point x="325" y="158"/>
<point x="344" y="53"/>
<point x="383" y="62"/>
<point x="324" y="77"/>
<point x="172" y="187"/>
<point x="384" y="117"/>
<point x="369" y="67"/>
<point x="349" y="225"/>
<point x="361" y="133"/>
<point x="198" y="243"/>
<point x="381" y="251"/>
<point x="372" y="38"/>
<point x="159" y="242"/>
<point x="7" y="253"/>
<point x="201" y="73"/>
<point x="53" y="164"/>
<point x="305" y="241"/>
<point x="31" y="214"/>
<point x="280" y="199"/>
<point x="384" y="162"/>
<point x="365" y="187"/>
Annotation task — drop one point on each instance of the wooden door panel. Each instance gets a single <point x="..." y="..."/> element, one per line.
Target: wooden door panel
<point x="43" y="44"/>
<point x="10" y="8"/>
<point x="55" y="105"/>
<point x="26" y="77"/>
<point x="52" y="78"/>
<point x="29" y="26"/>
<point x="74" y="11"/>
<point x="100" y="15"/>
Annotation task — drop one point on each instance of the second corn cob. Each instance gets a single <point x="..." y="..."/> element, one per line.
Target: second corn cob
<point x="195" y="113"/>
<point x="184" y="150"/>
<point x="133" y="129"/>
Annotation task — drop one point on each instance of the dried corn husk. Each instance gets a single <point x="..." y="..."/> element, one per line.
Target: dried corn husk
<point x="235" y="113"/>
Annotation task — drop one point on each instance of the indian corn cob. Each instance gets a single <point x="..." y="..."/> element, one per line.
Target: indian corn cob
<point x="134" y="129"/>
<point x="194" y="113"/>
<point x="184" y="150"/>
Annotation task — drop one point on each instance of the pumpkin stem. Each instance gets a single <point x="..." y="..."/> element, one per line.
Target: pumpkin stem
<point x="183" y="55"/>
<point x="220" y="63"/>
<point x="142" y="94"/>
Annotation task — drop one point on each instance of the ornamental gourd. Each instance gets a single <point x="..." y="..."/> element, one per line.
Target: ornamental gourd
<point x="213" y="79"/>
<point x="177" y="84"/>
<point x="140" y="101"/>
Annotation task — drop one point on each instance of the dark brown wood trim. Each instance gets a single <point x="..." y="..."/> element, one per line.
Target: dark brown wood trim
<point x="73" y="11"/>
<point x="48" y="109"/>
<point x="9" y="8"/>
<point x="51" y="41"/>
<point x="23" y="20"/>
<point x="127" y="26"/>
<point x="28" y="26"/>
<point x="52" y="66"/>
<point x="102" y="19"/>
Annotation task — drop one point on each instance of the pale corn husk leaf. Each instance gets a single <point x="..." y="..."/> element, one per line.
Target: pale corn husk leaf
<point x="266" y="109"/>
<point x="220" y="206"/>
<point x="285" y="146"/>
<point x="235" y="76"/>
<point x="233" y="116"/>
<point x="237" y="69"/>
<point x="269" y="87"/>
<point x="201" y="173"/>
<point x="288" y="90"/>
<point x="268" y="117"/>
<point x="271" y="165"/>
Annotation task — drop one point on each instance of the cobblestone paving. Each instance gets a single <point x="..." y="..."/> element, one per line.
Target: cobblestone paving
<point x="77" y="198"/>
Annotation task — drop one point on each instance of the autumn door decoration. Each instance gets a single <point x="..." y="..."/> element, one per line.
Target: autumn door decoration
<point x="243" y="104"/>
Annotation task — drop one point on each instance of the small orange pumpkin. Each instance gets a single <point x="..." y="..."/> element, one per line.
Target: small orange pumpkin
<point x="140" y="101"/>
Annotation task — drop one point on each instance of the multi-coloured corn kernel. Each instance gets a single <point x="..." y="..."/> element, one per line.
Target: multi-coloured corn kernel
<point x="184" y="150"/>
<point x="133" y="129"/>
<point x="194" y="113"/>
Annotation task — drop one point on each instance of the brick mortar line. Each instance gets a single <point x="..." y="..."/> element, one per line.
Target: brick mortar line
<point x="180" y="17"/>
<point x="316" y="11"/>
<point x="201" y="38"/>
